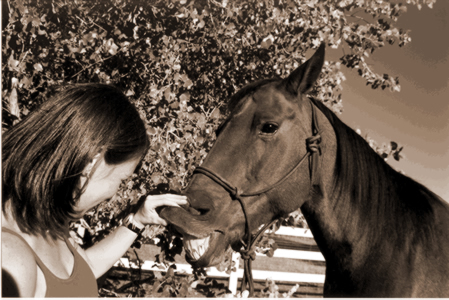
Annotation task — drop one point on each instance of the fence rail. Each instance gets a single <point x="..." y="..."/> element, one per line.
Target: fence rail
<point x="296" y="261"/>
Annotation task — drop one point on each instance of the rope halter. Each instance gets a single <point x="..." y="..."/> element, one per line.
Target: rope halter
<point x="248" y="253"/>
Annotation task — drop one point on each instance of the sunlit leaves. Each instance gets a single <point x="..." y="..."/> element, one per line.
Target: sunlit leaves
<point x="384" y="151"/>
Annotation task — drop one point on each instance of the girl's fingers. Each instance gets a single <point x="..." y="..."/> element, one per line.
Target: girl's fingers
<point x="166" y="203"/>
<point x="152" y="202"/>
<point x="168" y="199"/>
<point x="148" y="213"/>
<point x="167" y="195"/>
<point x="162" y="222"/>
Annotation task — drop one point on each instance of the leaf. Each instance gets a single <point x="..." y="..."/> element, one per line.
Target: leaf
<point x="157" y="283"/>
<point x="174" y="105"/>
<point x="176" y="77"/>
<point x="267" y="42"/>
<point x="170" y="272"/>
<point x="113" y="49"/>
<point x="188" y="83"/>
<point x="394" y="145"/>
<point x="194" y="284"/>
<point x="81" y="231"/>
<point x="167" y="94"/>
<point x="200" y="140"/>
<point x="76" y="238"/>
<point x="151" y="130"/>
<point x="12" y="63"/>
<point x="153" y="92"/>
<point x="35" y="21"/>
<point x="216" y="113"/>
<point x="26" y="81"/>
<point x="184" y="97"/>
<point x="14" y="103"/>
<point x="397" y="155"/>
<point x="183" y="290"/>
<point x="38" y="67"/>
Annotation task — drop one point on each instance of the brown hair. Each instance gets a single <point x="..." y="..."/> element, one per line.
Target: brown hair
<point x="44" y="155"/>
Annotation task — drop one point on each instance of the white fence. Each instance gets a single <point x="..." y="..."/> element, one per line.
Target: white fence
<point x="296" y="261"/>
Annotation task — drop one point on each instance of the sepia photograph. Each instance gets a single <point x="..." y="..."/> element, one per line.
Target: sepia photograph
<point x="225" y="148"/>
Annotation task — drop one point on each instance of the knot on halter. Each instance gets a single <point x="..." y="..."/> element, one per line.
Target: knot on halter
<point x="235" y="193"/>
<point x="248" y="254"/>
<point x="313" y="144"/>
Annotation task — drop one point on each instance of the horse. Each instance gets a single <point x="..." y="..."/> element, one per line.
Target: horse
<point x="382" y="234"/>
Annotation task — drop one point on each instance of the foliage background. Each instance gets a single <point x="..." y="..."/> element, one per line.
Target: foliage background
<point x="179" y="61"/>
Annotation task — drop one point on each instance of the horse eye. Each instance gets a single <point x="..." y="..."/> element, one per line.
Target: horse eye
<point x="269" y="128"/>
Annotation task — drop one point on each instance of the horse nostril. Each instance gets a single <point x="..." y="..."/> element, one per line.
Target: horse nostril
<point x="196" y="211"/>
<point x="203" y="211"/>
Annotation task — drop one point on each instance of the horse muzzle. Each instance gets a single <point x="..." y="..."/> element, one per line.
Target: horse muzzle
<point x="206" y="252"/>
<point x="207" y="236"/>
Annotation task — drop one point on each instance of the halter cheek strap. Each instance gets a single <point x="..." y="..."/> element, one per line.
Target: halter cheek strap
<point x="248" y="254"/>
<point x="314" y="148"/>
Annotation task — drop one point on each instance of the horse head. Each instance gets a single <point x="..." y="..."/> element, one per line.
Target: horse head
<point x="261" y="144"/>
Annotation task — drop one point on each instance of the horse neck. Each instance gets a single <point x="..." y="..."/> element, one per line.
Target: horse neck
<point x="337" y="217"/>
<point x="367" y="208"/>
<point x="318" y="210"/>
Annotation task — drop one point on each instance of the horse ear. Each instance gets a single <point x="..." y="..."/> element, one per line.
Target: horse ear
<point x="303" y="78"/>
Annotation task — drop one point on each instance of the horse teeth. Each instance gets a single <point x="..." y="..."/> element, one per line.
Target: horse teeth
<point x="201" y="250"/>
<point x="196" y="248"/>
<point x="196" y="243"/>
<point x="195" y="254"/>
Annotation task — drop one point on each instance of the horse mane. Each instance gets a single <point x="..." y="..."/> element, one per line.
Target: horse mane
<point x="384" y="204"/>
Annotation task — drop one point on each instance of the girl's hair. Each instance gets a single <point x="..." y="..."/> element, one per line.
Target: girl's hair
<point x="44" y="155"/>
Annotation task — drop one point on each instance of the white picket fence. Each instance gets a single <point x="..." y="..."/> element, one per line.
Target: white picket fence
<point x="296" y="261"/>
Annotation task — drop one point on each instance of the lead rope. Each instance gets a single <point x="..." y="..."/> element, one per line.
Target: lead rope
<point x="248" y="254"/>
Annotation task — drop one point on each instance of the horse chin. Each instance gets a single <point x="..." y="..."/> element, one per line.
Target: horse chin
<point x="206" y="252"/>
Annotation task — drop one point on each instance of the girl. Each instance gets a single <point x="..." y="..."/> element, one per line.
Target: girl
<point x="65" y="158"/>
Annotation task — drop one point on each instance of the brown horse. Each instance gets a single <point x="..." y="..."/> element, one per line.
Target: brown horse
<point x="382" y="234"/>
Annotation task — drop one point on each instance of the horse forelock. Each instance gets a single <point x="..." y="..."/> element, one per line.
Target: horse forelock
<point x="384" y="206"/>
<point x="236" y="100"/>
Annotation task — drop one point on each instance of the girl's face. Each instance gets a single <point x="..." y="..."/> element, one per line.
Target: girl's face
<point x="103" y="184"/>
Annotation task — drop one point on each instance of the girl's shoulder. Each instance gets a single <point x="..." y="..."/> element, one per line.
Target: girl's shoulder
<point x="19" y="267"/>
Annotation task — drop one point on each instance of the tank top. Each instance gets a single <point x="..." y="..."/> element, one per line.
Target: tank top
<point x="81" y="283"/>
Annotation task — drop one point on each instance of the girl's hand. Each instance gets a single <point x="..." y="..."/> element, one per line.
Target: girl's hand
<point x="147" y="214"/>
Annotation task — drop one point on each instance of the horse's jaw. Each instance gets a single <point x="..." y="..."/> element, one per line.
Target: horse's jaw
<point x="206" y="241"/>
<point x="206" y="252"/>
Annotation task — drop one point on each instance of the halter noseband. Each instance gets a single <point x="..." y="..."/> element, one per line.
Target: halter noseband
<point x="248" y="254"/>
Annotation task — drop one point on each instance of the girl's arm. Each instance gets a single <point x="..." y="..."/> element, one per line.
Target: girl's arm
<point x="108" y="251"/>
